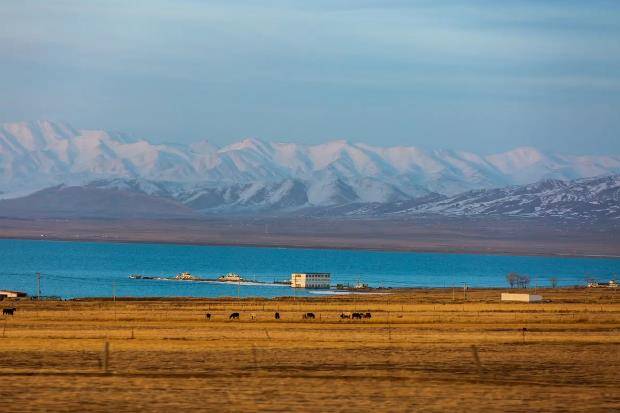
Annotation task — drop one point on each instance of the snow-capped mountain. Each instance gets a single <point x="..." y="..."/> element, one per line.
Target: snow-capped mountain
<point x="253" y="173"/>
<point x="590" y="198"/>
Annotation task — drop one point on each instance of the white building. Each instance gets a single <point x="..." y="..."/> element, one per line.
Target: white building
<point x="527" y="298"/>
<point x="311" y="280"/>
<point x="11" y="294"/>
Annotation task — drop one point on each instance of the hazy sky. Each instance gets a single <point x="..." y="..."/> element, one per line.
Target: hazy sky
<point x="476" y="75"/>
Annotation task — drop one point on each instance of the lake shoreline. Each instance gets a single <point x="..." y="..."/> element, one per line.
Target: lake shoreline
<point x="435" y="294"/>
<point x="83" y="268"/>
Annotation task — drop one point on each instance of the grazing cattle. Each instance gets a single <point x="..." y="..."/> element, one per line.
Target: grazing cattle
<point x="277" y="316"/>
<point x="234" y="316"/>
<point x="344" y="316"/>
<point x="367" y="315"/>
<point x="309" y="316"/>
<point x="8" y="311"/>
<point x="208" y="316"/>
<point x="357" y="316"/>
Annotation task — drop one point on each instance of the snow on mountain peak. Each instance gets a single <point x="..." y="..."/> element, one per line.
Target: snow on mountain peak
<point x="521" y="157"/>
<point x="203" y="147"/>
<point x="247" y="143"/>
<point x="43" y="153"/>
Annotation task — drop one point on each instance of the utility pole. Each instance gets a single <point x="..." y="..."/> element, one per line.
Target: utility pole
<point x="114" y="298"/>
<point x="38" y="286"/>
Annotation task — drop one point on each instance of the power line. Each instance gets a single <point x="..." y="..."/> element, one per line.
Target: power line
<point x="38" y="286"/>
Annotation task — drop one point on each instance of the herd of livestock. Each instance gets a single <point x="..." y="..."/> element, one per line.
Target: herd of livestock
<point x="305" y="316"/>
<point x="237" y="316"/>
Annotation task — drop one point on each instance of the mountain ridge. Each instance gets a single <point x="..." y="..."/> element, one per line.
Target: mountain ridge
<point x="586" y="199"/>
<point x="42" y="154"/>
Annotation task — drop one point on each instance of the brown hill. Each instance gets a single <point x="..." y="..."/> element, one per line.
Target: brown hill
<point x="88" y="202"/>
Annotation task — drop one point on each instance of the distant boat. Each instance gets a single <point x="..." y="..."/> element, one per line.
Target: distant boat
<point x="185" y="276"/>
<point x="141" y="277"/>
<point x="231" y="277"/>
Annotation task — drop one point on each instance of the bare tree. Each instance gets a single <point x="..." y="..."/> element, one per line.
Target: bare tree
<point x="524" y="281"/>
<point x="513" y="279"/>
<point x="554" y="282"/>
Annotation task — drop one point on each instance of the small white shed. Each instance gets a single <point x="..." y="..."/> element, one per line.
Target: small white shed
<point x="525" y="298"/>
<point x="11" y="294"/>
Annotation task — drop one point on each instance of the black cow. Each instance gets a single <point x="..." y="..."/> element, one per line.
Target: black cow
<point x="309" y="316"/>
<point x="234" y="316"/>
<point x="277" y="316"/>
<point x="208" y="316"/>
<point x="357" y="316"/>
<point x="8" y="311"/>
<point x="367" y="315"/>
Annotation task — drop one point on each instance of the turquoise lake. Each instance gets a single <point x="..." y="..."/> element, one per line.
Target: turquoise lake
<point x="88" y="269"/>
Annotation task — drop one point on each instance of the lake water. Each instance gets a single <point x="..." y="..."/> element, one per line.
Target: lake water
<point x="87" y="269"/>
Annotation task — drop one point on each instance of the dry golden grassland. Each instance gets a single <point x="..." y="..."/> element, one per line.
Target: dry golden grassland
<point x="422" y="350"/>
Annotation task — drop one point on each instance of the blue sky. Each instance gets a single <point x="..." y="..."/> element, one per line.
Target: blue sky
<point x="484" y="76"/>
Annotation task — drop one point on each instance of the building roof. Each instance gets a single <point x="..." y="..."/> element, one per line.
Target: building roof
<point x="12" y="292"/>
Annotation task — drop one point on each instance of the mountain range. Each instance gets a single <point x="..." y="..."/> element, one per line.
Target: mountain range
<point x="590" y="199"/>
<point x="47" y="162"/>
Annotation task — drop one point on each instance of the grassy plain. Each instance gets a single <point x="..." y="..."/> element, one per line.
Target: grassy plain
<point x="422" y="350"/>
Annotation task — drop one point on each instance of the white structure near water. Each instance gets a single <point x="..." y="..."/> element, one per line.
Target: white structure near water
<point x="231" y="276"/>
<point x="311" y="280"/>
<point x="11" y="294"/>
<point x="526" y="298"/>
